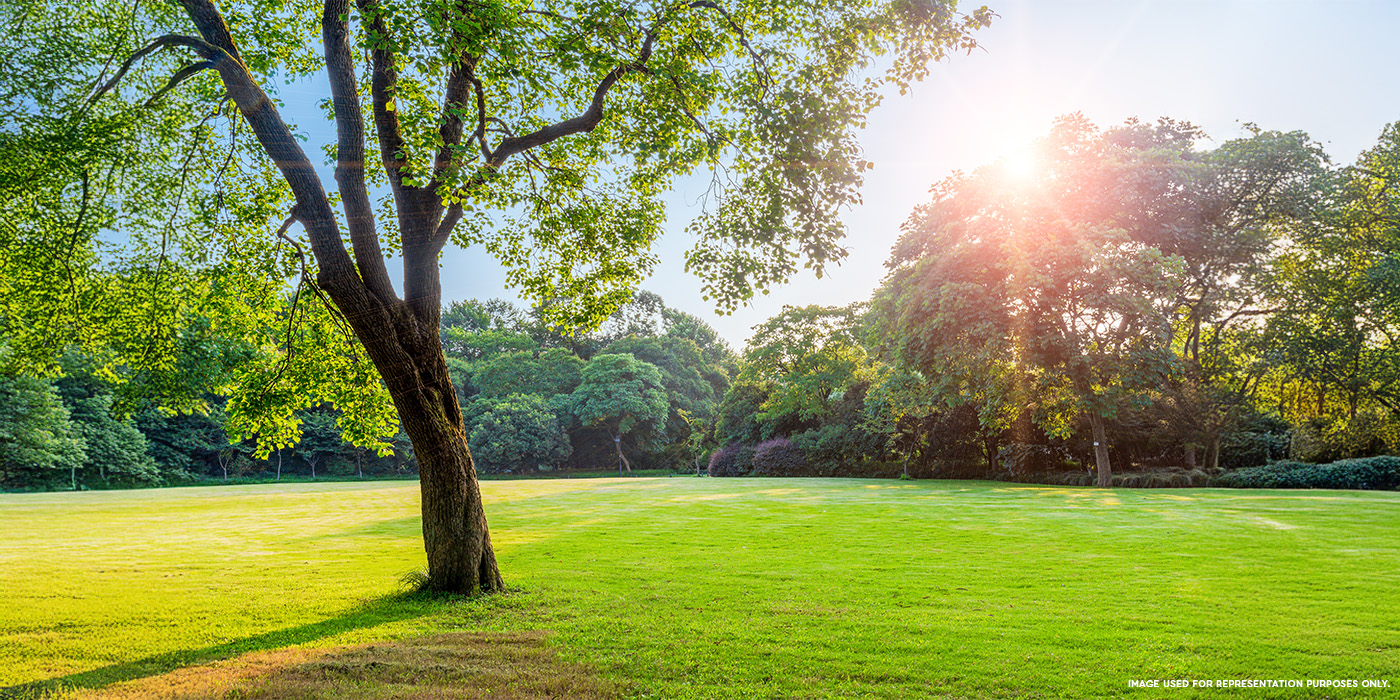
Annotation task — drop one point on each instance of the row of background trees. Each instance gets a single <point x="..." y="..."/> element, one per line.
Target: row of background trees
<point x="640" y="392"/>
<point x="1126" y="298"/>
<point x="1129" y="297"/>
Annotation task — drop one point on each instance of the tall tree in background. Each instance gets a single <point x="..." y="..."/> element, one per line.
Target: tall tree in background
<point x="1123" y="265"/>
<point x="1034" y="283"/>
<point x="548" y="135"/>
<point x="625" y="396"/>
<point x="804" y="356"/>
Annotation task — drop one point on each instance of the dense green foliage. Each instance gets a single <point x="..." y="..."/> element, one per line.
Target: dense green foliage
<point x="1365" y="473"/>
<point x="727" y="589"/>
<point x="533" y="400"/>
<point x="519" y="433"/>
<point x="36" y="436"/>
<point x="1186" y="308"/>
<point x="641" y="377"/>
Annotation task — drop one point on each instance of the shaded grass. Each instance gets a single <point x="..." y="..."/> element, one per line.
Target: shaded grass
<point x="738" y="588"/>
<point x="457" y="666"/>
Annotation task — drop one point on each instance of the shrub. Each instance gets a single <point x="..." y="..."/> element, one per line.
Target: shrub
<point x="839" y="450"/>
<point x="1243" y="450"/>
<point x="1370" y="473"/>
<point x="779" y="457"/>
<point x="734" y="459"/>
<point x="1161" y="479"/>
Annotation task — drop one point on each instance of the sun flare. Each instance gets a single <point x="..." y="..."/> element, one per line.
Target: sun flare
<point x="1021" y="167"/>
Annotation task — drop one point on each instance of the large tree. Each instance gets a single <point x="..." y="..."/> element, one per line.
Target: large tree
<point x="547" y="133"/>
<point x="36" y="435"/>
<point x="1125" y="264"/>
<point x="1032" y="292"/>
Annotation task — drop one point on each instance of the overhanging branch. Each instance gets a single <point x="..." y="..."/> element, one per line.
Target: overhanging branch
<point x="204" y="48"/>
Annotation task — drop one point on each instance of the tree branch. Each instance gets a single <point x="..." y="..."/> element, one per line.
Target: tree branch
<point x="382" y="84"/>
<point x="350" y="150"/>
<point x="204" y="48"/>
<point x="582" y="123"/>
<point x="281" y="146"/>
<point x="459" y="88"/>
<point x="180" y="76"/>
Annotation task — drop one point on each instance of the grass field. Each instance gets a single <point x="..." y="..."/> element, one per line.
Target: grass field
<point x="703" y="588"/>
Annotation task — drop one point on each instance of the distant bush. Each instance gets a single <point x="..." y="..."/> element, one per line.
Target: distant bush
<point x="1161" y="479"/>
<point x="779" y="457"/>
<point x="839" y="450"/>
<point x="1369" y="473"/>
<point x="734" y="459"/>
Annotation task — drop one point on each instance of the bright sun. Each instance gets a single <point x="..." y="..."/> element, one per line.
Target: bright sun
<point x="1020" y="167"/>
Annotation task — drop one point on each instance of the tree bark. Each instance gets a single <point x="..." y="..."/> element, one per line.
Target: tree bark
<point x="455" y="535"/>
<point x="1104" y="469"/>
<point x="1190" y="450"/>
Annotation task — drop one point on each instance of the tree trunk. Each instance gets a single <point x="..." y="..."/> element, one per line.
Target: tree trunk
<point x="1213" y="453"/>
<point x="400" y="335"/>
<point x="455" y="535"/>
<point x="279" y="465"/>
<point x="73" y="477"/>
<point x="1190" y="450"/>
<point x="621" y="458"/>
<point x="1105" y="470"/>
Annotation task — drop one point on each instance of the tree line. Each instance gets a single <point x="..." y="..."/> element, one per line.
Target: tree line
<point x="640" y="392"/>
<point x="1126" y="298"/>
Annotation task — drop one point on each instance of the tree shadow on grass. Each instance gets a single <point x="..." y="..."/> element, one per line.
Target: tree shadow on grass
<point x="392" y="608"/>
<point x="451" y="666"/>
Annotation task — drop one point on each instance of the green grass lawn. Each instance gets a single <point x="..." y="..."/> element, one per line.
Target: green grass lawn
<point x="707" y="588"/>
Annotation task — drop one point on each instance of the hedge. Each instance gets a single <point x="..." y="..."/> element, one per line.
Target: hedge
<point x="1369" y="473"/>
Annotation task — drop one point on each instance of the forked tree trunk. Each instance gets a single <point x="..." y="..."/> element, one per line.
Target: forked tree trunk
<point x="400" y="335"/>
<point x="1104" y="469"/>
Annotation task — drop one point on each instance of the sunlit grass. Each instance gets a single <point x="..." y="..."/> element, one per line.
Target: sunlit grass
<point x="722" y="588"/>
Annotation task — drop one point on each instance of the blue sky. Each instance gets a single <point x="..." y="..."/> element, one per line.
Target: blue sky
<point x="1327" y="67"/>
